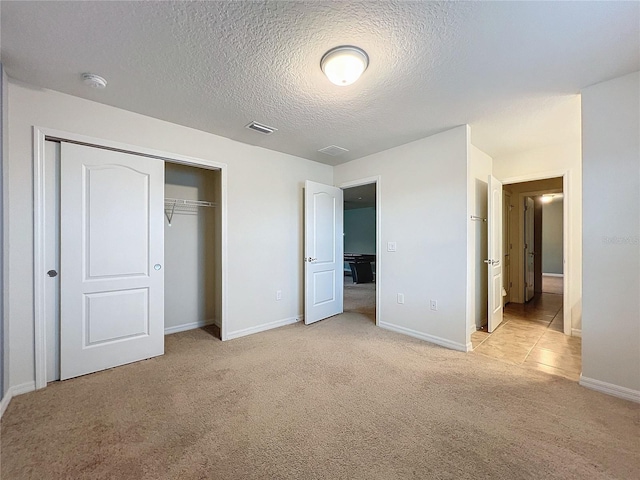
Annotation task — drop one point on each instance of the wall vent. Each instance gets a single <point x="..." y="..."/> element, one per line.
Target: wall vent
<point x="261" y="128"/>
<point x="333" y="150"/>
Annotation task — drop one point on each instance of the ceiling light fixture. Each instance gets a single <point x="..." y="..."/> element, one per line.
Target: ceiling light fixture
<point x="93" y="80"/>
<point x="344" y="65"/>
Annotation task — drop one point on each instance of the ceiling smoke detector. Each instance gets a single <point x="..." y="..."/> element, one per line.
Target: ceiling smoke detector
<point x="333" y="150"/>
<point x="94" y="81"/>
<point x="260" y="128"/>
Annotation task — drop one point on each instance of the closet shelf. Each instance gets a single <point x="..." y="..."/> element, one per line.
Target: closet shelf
<point x="182" y="206"/>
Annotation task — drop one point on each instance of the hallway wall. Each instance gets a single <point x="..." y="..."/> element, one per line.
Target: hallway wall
<point x="611" y="340"/>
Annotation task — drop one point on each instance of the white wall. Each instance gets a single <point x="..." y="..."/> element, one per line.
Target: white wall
<point x="423" y="194"/>
<point x="611" y="168"/>
<point x="264" y="196"/>
<point x="480" y="167"/>
<point x="555" y="160"/>
<point x="552" y="237"/>
<point x="190" y="257"/>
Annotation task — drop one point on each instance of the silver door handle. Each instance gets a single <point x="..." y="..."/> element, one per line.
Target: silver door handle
<point x="311" y="259"/>
<point x="491" y="262"/>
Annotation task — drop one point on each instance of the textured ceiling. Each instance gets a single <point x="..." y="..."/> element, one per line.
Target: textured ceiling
<point x="509" y="69"/>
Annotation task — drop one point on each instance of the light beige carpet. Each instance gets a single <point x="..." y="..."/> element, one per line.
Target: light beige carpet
<point x="340" y="399"/>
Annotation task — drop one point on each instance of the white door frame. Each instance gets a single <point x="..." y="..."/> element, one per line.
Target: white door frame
<point x="566" y="235"/>
<point x="40" y="135"/>
<point x="358" y="183"/>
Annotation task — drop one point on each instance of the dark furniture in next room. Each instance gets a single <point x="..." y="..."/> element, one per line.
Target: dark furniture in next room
<point x="360" y="264"/>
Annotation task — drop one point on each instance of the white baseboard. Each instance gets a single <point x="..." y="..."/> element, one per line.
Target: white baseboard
<point x="261" y="328"/>
<point x="22" y="388"/>
<point x="443" y="342"/>
<point x="552" y="274"/>
<point x="5" y="402"/>
<point x="187" y="326"/>
<point x="610" y="389"/>
<point x="576" y="332"/>
<point x="14" y="392"/>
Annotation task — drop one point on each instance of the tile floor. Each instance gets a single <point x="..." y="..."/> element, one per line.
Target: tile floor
<point x="531" y="335"/>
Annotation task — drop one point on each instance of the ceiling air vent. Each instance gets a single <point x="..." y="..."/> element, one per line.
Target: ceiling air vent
<point x="333" y="150"/>
<point x="260" y="128"/>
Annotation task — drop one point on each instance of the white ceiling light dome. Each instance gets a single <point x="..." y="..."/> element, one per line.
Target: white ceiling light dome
<point x="344" y="65"/>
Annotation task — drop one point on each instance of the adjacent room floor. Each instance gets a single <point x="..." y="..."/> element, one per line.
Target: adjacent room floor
<point x="360" y="298"/>
<point x="531" y="335"/>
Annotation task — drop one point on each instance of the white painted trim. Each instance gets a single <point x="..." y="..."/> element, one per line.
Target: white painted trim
<point x="188" y="326"/>
<point x="471" y="285"/>
<point x="40" y="135"/>
<point x="264" y="327"/>
<point x="443" y="342"/>
<point x="6" y="400"/>
<point x="576" y="332"/>
<point x="552" y="274"/>
<point x="566" y="234"/>
<point x="610" y="389"/>
<point x="39" y="267"/>
<point x="22" y="388"/>
<point x="14" y="392"/>
<point x="379" y="278"/>
<point x="5" y="234"/>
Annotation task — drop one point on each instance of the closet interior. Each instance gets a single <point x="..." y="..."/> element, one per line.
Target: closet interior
<point x="192" y="248"/>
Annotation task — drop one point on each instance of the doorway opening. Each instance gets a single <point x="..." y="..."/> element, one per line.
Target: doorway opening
<point x="534" y="234"/>
<point x="361" y="270"/>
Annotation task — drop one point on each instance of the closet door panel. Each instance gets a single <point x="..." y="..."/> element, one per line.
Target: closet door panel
<point x="112" y="255"/>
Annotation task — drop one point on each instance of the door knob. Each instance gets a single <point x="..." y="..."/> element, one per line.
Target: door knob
<point x="311" y="259"/>
<point x="157" y="266"/>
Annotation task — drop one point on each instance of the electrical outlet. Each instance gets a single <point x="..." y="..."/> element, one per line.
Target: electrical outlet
<point x="278" y="294"/>
<point x="401" y="298"/>
<point x="433" y="304"/>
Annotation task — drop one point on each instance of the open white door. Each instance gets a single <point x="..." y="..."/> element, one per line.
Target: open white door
<point x="529" y="254"/>
<point x="323" y="252"/>
<point x="494" y="260"/>
<point x="112" y="253"/>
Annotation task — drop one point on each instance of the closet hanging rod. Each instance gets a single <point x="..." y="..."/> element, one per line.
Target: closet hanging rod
<point x="179" y="205"/>
<point x="179" y="202"/>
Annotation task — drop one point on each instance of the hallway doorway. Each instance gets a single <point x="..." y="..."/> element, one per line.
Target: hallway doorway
<point x="360" y="248"/>
<point x="532" y="333"/>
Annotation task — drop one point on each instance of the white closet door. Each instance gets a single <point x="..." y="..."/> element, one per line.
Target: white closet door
<point x="112" y="254"/>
